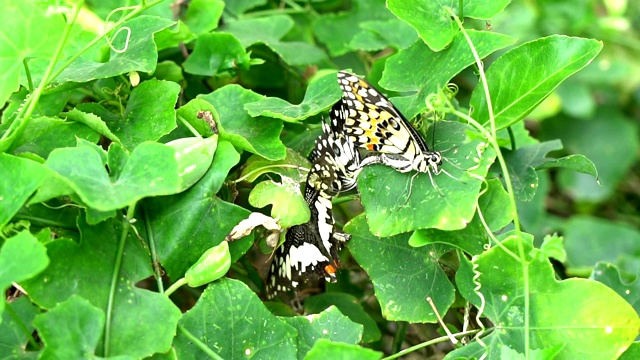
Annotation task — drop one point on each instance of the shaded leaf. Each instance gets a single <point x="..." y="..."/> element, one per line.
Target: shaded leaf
<point x="294" y="166"/>
<point x="609" y="275"/>
<point x="216" y="53"/>
<point x="13" y="342"/>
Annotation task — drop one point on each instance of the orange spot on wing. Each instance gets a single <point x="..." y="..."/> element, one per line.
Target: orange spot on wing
<point x="330" y="269"/>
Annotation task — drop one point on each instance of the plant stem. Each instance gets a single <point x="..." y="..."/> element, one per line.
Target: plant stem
<point x="509" y="185"/>
<point x="428" y="343"/>
<point x="152" y="248"/>
<point x="126" y="223"/>
<point x="14" y="316"/>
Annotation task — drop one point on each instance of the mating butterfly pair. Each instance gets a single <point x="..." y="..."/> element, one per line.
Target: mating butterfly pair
<point x="362" y="118"/>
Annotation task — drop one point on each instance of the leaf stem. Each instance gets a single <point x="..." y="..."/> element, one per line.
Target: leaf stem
<point x="199" y="344"/>
<point x="268" y="167"/>
<point x="126" y="224"/>
<point x="175" y="286"/>
<point x="188" y="125"/>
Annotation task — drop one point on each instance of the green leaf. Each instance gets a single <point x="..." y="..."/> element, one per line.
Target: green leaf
<point x="143" y="322"/>
<point x="394" y="33"/>
<point x="20" y="178"/>
<point x="44" y="134"/>
<point x="553" y="247"/>
<point x="589" y="310"/>
<point x="384" y="191"/>
<point x="336" y="31"/>
<point x="434" y="23"/>
<point x="13" y="343"/>
<point x="289" y="206"/>
<point x="589" y="240"/>
<point x="579" y="163"/>
<point x="633" y="352"/>
<point x="21" y="257"/>
<point x="231" y="321"/>
<point x="73" y="322"/>
<point x="522" y="164"/>
<point x="187" y="224"/>
<point x="172" y="37"/>
<point x="92" y="121"/>
<point x="239" y="7"/>
<point x="434" y="70"/>
<point x="329" y="324"/>
<point x="259" y="135"/>
<point x="321" y="94"/>
<point x="327" y="349"/>
<point x="405" y="278"/>
<point x="609" y="275"/>
<point x="19" y="42"/>
<point x="609" y="135"/>
<point x="149" y="114"/>
<point x="291" y="166"/>
<point x="541" y="65"/>
<point x="216" y="53"/>
<point x="348" y="305"/>
<point x="151" y="170"/>
<point x="496" y="210"/>
<point x="136" y="51"/>
<point x="202" y="16"/>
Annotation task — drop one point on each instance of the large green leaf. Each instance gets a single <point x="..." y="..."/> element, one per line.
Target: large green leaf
<point x="609" y="275"/>
<point x="403" y="276"/>
<point x="384" y="190"/>
<point x="583" y="317"/>
<point x="143" y="322"/>
<point x="44" y="134"/>
<point x="150" y="170"/>
<point x="232" y="322"/>
<point x="539" y="67"/>
<point x="327" y="349"/>
<point x="433" y="22"/>
<point x="259" y="135"/>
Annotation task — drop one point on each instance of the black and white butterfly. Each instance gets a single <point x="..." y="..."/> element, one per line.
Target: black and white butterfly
<point x="310" y="250"/>
<point x="372" y="122"/>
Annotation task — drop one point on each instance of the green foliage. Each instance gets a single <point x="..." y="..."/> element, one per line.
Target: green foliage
<point x="133" y="140"/>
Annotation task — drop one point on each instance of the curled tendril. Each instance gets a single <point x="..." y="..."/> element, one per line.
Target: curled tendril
<point x="125" y="28"/>
<point x="476" y="290"/>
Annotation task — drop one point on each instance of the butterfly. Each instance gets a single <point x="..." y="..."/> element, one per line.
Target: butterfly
<point x="310" y="250"/>
<point x="372" y="122"/>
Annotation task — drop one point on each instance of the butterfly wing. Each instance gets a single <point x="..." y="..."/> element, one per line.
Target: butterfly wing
<point x="372" y="122"/>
